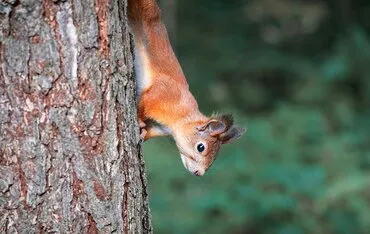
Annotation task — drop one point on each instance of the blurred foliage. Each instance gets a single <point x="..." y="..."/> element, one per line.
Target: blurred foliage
<point x="297" y="74"/>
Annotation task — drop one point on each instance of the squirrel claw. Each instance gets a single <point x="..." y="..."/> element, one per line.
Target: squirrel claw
<point x="142" y="124"/>
<point x="142" y="134"/>
<point x="142" y="130"/>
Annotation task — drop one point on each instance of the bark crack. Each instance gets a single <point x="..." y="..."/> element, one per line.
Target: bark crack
<point x="101" y="8"/>
<point x="23" y="184"/>
<point x="92" y="229"/>
<point x="49" y="12"/>
<point x="28" y="85"/>
<point x="120" y="149"/>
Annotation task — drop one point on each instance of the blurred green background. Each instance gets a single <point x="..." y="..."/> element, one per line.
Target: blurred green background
<point x="297" y="75"/>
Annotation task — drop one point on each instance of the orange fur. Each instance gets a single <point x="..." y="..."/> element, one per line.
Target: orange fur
<point x="164" y="95"/>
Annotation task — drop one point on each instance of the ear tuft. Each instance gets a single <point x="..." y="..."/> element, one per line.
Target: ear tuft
<point x="228" y="120"/>
<point x="234" y="133"/>
<point x="213" y="127"/>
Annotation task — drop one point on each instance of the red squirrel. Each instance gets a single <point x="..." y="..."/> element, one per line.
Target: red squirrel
<point x="165" y="104"/>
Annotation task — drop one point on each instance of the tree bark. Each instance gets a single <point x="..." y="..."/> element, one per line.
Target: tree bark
<point x="70" y="157"/>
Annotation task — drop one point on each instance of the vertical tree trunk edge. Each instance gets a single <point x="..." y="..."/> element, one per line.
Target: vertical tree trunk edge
<point x="70" y="156"/>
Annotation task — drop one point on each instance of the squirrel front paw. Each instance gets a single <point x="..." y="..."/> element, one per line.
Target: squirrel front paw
<point x="143" y="131"/>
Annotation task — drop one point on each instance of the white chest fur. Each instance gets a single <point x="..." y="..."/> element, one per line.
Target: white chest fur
<point x="142" y="68"/>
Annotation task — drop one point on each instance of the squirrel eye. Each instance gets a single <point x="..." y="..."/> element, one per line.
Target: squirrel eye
<point x="200" y="147"/>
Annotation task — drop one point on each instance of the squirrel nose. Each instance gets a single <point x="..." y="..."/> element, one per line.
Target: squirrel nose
<point x="198" y="173"/>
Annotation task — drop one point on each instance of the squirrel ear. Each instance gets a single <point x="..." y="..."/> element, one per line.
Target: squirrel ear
<point x="213" y="127"/>
<point x="235" y="132"/>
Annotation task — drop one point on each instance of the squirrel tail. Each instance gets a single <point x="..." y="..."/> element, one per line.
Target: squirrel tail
<point x="143" y="11"/>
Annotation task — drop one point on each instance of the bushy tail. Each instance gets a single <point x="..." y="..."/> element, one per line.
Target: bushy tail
<point x="151" y="38"/>
<point x="143" y="11"/>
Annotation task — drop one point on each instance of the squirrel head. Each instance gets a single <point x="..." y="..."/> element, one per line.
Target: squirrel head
<point x="200" y="141"/>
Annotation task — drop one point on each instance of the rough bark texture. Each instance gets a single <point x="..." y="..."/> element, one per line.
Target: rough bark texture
<point x="70" y="159"/>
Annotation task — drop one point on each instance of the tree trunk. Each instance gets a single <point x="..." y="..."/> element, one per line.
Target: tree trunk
<point x="70" y="158"/>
